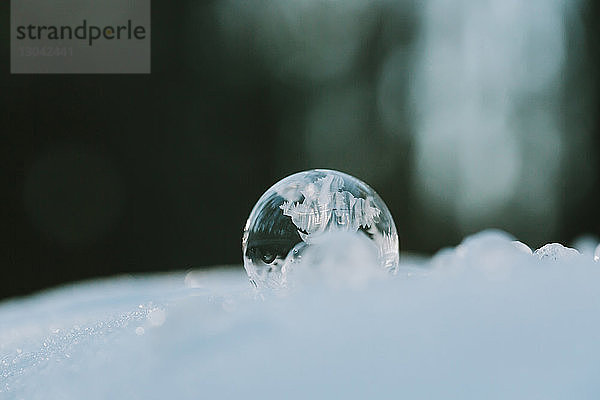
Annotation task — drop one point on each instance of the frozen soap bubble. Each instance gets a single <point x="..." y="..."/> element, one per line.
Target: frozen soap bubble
<point x="299" y="211"/>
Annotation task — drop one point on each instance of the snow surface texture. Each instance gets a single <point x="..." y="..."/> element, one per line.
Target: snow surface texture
<point x="488" y="319"/>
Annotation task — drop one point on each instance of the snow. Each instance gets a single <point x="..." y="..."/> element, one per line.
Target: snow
<point x="555" y="251"/>
<point x="486" y="319"/>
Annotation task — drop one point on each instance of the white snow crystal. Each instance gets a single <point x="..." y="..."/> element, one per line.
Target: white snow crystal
<point x="555" y="251"/>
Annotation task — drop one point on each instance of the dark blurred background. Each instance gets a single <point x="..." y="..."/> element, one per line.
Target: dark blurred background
<point x="463" y="115"/>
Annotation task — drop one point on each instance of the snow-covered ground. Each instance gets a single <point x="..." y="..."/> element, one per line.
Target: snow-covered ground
<point x="487" y="319"/>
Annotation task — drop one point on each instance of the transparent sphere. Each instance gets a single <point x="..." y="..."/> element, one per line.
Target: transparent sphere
<point x="300" y="210"/>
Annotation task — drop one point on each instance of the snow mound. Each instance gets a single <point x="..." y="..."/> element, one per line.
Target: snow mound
<point x="487" y="319"/>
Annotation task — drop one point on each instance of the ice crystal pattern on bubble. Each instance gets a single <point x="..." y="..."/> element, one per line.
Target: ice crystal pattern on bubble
<point x="326" y="206"/>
